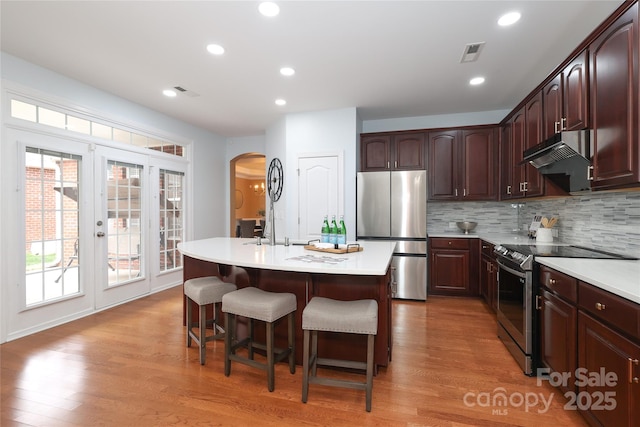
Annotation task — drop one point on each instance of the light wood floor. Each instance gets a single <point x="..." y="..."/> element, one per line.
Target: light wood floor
<point x="130" y="366"/>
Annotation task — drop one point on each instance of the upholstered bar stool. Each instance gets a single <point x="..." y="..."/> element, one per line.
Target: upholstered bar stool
<point x="268" y="307"/>
<point x="204" y="291"/>
<point x="351" y="317"/>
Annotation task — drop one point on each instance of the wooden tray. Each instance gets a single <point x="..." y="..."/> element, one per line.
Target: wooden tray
<point x="350" y="248"/>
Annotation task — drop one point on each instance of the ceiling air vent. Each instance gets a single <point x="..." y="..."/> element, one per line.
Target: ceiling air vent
<point x="472" y="52"/>
<point x="184" y="91"/>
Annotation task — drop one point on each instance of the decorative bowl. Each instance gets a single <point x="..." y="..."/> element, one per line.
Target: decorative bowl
<point x="466" y="226"/>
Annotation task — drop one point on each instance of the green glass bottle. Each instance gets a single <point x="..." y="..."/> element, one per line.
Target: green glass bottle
<point x="342" y="232"/>
<point x="324" y="234"/>
<point x="333" y="231"/>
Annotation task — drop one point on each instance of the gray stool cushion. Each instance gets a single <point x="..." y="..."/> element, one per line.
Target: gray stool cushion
<point x="355" y="317"/>
<point x="207" y="290"/>
<point x="257" y="304"/>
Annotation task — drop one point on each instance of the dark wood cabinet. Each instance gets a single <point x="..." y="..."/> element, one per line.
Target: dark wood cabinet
<point x="533" y="184"/>
<point x="375" y="153"/>
<point x="565" y="98"/>
<point x="463" y="164"/>
<point x="558" y="324"/>
<point x="444" y="165"/>
<point x="453" y="266"/>
<point x="614" y="103"/>
<point x="592" y="337"/>
<point x="604" y="351"/>
<point x="488" y="275"/>
<point x="397" y="151"/>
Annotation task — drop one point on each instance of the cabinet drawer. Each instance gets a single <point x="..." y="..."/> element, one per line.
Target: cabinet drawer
<point x="561" y="284"/>
<point x="441" y="243"/>
<point x="610" y="308"/>
<point x="487" y="249"/>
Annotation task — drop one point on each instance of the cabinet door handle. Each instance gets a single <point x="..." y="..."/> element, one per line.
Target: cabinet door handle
<point x="563" y="123"/>
<point x="388" y="165"/>
<point x="600" y="306"/>
<point x="538" y="302"/>
<point x="449" y="243"/>
<point x="552" y="281"/>
<point x="456" y="192"/>
<point x="508" y="189"/>
<point x="464" y="192"/>
<point x="589" y="173"/>
<point x="556" y="125"/>
<point x="395" y="164"/>
<point x="632" y="362"/>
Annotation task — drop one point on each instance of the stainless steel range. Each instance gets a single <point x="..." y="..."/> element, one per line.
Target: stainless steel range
<point x="517" y="312"/>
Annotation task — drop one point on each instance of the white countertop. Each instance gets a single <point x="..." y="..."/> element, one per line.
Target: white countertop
<point x="373" y="260"/>
<point x="619" y="277"/>
<point x="616" y="276"/>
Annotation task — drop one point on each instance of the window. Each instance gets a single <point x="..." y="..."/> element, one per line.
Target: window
<point x="50" y="117"/>
<point x="171" y="217"/>
<point x="51" y="225"/>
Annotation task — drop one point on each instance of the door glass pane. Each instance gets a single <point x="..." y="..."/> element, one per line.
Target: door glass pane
<point x="51" y="225"/>
<point x="124" y="235"/>
<point x="171" y="216"/>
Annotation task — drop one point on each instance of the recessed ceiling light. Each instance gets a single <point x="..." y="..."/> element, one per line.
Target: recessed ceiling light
<point x="281" y="102"/>
<point x="287" y="71"/>
<point x="215" y="49"/>
<point x="476" y="81"/>
<point x="509" y="19"/>
<point x="170" y="93"/>
<point x="269" y="8"/>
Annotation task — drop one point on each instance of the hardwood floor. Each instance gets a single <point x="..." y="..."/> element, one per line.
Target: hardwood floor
<point x="130" y="366"/>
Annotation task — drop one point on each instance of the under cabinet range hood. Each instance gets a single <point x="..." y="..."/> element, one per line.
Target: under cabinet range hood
<point x="564" y="159"/>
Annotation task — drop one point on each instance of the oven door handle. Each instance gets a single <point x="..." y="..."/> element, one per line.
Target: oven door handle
<point x="512" y="271"/>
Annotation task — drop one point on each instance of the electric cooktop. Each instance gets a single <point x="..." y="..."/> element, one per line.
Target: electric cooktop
<point x="565" y="251"/>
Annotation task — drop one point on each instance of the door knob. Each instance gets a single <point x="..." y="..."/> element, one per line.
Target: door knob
<point x="100" y="234"/>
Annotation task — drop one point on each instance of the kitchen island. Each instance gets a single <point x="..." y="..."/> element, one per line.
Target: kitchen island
<point x="305" y="273"/>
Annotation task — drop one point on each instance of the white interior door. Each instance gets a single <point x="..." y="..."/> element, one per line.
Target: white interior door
<point x="320" y="192"/>
<point x="121" y="224"/>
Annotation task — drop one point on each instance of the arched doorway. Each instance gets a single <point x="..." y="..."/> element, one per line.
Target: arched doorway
<point x="247" y="190"/>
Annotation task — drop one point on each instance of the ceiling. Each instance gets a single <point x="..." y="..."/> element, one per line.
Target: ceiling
<point x="389" y="59"/>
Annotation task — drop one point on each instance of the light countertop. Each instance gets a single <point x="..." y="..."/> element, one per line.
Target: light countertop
<point x="619" y="277"/>
<point x="373" y="260"/>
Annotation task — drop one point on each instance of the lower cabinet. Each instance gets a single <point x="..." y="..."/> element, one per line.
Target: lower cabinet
<point x="453" y="266"/>
<point x="558" y="346"/>
<point x="590" y="340"/>
<point x="488" y="275"/>
<point x="611" y="394"/>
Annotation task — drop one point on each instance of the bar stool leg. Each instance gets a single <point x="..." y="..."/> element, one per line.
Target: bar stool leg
<point x="270" y="357"/>
<point x="292" y="342"/>
<point x="229" y="321"/>
<point x="202" y="326"/>
<point x="369" y="386"/>
<point x="314" y="353"/>
<point x="305" y="367"/>
<point x="189" y="323"/>
<point x="250" y="344"/>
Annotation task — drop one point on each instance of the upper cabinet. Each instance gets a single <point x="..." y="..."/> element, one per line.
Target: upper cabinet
<point x="614" y="103"/>
<point x="463" y="164"/>
<point x="398" y="151"/>
<point x="565" y="98"/>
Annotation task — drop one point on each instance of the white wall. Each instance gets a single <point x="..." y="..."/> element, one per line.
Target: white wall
<point x="430" y="122"/>
<point x="333" y="131"/>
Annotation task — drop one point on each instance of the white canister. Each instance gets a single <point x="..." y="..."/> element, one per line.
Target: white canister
<point x="543" y="235"/>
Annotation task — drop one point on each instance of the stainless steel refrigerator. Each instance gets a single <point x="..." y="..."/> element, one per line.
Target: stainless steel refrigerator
<point x="393" y="206"/>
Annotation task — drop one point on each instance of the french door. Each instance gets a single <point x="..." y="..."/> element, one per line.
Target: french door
<point x="121" y="225"/>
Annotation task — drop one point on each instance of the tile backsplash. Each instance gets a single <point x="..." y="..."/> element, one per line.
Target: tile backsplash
<point x="608" y="221"/>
